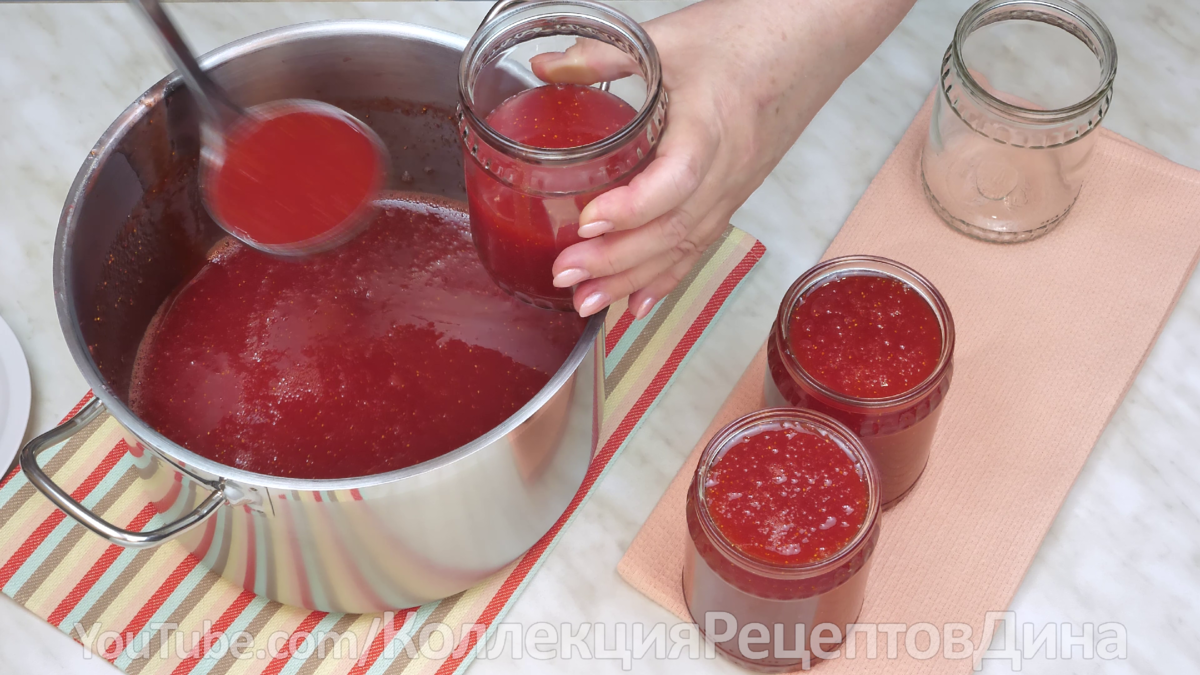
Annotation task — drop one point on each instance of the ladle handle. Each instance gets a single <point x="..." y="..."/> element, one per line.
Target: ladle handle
<point x="214" y="102"/>
<point x="63" y="500"/>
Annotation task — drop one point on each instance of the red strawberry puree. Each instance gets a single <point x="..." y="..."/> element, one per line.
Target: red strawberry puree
<point x="519" y="235"/>
<point x="294" y="177"/>
<point x="866" y="336"/>
<point x="786" y="497"/>
<point x="388" y="351"/>
<point x="776" y="513"/>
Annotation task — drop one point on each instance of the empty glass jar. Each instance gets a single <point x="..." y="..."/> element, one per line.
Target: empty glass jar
<point x="1023" y="85"/>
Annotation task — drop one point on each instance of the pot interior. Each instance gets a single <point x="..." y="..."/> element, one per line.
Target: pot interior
<point x="134" y="228"/>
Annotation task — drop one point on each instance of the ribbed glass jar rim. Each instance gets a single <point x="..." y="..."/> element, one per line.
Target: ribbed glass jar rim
<point x="814" y="421"/>
<point x="543" y="18"/>
<point x="865" y="265"/>
<point x="1068" y="15"/>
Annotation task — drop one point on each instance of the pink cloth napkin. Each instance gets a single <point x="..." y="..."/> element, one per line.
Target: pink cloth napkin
<point x="1050" y="334"/>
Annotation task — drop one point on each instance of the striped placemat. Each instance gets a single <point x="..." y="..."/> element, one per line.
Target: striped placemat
<point x="160" y="611"/>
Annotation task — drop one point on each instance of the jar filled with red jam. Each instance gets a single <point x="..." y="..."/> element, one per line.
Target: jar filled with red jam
<point x="869" y="342"/>
<point x="536" y="153"/>
<point x="783" y="516"/>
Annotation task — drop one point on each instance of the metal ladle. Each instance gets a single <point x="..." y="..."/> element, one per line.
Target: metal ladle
<point x="219" y="115"/>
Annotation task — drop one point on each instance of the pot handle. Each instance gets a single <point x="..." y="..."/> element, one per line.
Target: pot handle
<point x="64" y="501"/>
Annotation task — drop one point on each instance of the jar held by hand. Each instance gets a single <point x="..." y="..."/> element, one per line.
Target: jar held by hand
<point x="536" y="154"/>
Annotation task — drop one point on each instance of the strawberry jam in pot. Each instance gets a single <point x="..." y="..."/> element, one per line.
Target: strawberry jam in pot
<point x="535" y="157"/>
<point x="388" y="351"/>
<point x="783" y="516"/>
<point x="869" y="342"/>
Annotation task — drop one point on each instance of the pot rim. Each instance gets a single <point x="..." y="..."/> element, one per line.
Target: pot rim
<point x="69" y="222"/>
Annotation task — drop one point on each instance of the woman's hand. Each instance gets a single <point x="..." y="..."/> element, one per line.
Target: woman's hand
<point x="743" y="79"/>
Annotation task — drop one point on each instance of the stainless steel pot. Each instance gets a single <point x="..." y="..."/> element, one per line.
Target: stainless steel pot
<point x="378" y="542"/>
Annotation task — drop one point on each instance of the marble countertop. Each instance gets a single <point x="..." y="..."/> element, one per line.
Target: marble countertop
<point x="1124" y="548"/>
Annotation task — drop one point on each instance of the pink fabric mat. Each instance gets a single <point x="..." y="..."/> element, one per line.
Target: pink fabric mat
<point x="1050" y="334"/>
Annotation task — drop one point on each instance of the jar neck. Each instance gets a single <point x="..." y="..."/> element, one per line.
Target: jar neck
<point x="813" y="421"/>
<point x="546" y="18"/>
<point x="1015" y="122"/>
<point x="845" y="266"/>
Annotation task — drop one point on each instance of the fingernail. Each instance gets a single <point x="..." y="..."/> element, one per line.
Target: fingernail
<point x="643" y="308"/>
<point x="568" y="278"/>
<point x="594" y="303"/>
<point x="547" y="58"/>
<point x="595" y="229"/>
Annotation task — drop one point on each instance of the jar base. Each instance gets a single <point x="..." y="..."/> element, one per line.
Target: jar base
<point x="541" y="302"/>
<point x="889" y="505"/>
<point x="985" y="234"/>
<point x="758" y="666"/>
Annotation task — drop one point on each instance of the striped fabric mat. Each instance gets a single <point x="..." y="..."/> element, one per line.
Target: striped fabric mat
<point x="160" y="611"/>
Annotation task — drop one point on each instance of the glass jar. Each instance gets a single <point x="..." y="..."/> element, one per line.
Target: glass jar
<point x="1023" y="85"/>
<point x="525" y="200"/>
<point x="896" y="430"/>
<point x="730" y="594"/>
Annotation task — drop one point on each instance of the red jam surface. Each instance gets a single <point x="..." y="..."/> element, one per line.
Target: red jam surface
<point x="519" y="235"/>
<point x="560" y="116"/>
<point x="786" y="496"/>
<point x="294" y="177"/>
<point x="390" y="350"/>
<point x="865" y="336"/>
